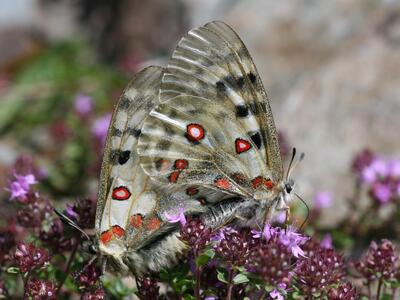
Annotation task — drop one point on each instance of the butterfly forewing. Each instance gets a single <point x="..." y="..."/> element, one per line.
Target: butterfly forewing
<point x="214" y="113"/>
<point x="212" y="62"/>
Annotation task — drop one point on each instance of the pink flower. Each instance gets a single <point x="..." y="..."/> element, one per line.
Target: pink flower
<point x="394" y="168"/>
<point x="19" y="188"/>
<point x="275" y="294"/>
<point x="177" y="217"/>
<point x="381" y="192"/>
<point x="83" y="105"/>
<point x="278" y="293"/>
<point x="293" y="240"/>
<point x="323" y="199"/>
<point x="368" y="175"/>
<point x="326" y="242"/>
<point x="289" y="238"/>
<point x="380" y="167"/>
<point x="100" y="127"/>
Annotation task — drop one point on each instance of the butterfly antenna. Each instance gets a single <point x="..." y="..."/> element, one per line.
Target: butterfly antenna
<point x="308" y="211"/>
<point x="292" y="167"/>
<point x="290" y="164"/>
<point x="71" y="223"/>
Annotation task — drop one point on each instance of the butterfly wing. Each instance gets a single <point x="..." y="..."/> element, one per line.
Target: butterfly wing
<point x="214" y="125"/>
<point x="212" y="62"/>
<point x="130" y="210"/>
<point x="125" y="191"/>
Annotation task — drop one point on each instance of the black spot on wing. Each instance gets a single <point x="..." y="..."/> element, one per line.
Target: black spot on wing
<point x="256" y="138"/>
<point x="135" y="132"/>
<point x="242" y="111"/>
<point x="240" y="82"/>
<point x="164" y="145"/>
<point x="220" y="86"/>
<point x="252" y="77"/>
<point x="124" y="157"/>
<point x="124" y="104"/>
<point x="116" y="132"/>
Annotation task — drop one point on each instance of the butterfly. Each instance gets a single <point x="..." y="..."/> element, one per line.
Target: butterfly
<point x="197" y="136"/>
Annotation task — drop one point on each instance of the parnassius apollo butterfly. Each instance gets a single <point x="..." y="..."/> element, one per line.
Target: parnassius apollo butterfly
<point x="196" y="136"/>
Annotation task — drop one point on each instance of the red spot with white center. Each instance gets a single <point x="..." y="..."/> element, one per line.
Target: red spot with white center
<point x="173" y="177"/>
<point x="242" y="145"/>
<point x="120" y="193"/>
<point x="269" y="184"/>
<point x="136" y="221"/>
<point x="116" y="230"/>
<point x="181" y="164"/>
<point x="261" y="181"/>
<point x="106" y="236"/>
<point x="223" y="183"/>
<point x="194" y="132"/>
<point x="153" y="224"/>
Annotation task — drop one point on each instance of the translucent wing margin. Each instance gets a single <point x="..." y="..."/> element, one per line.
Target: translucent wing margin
<point x="125" y="190"/>
<point x="213" y="63"/>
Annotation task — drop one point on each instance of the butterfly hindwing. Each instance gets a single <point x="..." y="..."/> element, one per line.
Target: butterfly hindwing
<point x="125" y="193"/>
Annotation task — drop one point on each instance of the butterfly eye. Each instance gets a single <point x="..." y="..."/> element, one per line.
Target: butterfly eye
<point x="288" y="188"/>
<point x="93" y="249"/>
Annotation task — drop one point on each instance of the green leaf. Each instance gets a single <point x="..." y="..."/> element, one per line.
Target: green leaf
<point x="13" y="270"/>
<point x="296" y="295"/>
<point x="205" y="257"/>
<point x="240" y="278"/>
<point x="221" y="277"/>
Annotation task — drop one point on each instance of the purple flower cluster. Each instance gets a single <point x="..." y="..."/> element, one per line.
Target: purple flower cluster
<point x="380" y="261"/>
<point x="232" y="247"/>
<point x="38" y="289"/>
<point x="147" y="288"/>
<point x="287" y="237"/>
<point x="317" y="272"/>
<point x="345" y="291"/>
<point x="29" y="257"/>
<point x="88" y="282"/>
<point x="380" y="176"/>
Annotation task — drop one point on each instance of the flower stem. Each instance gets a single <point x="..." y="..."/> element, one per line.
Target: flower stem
<point x="378" y="293"/>
<point x="230" y="285"/>
<point x="68" y="267"/>
<point x="394" y="290"/>
<point x="263" y="294"/>
<point x="25" y="279"/>
<point x="197" y="289"/>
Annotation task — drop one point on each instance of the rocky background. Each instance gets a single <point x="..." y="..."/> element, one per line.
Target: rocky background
<point x="331" y="68"/>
